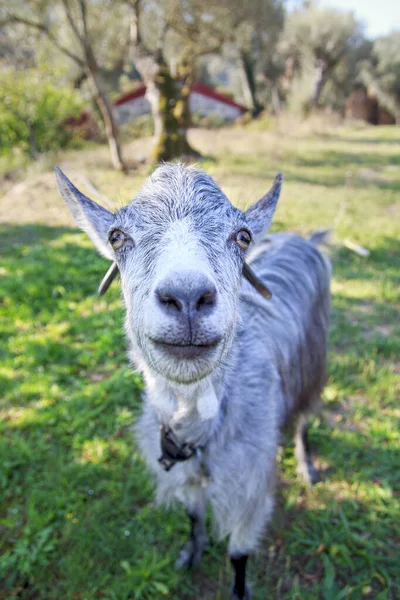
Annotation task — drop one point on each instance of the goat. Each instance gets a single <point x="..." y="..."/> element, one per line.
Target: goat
<point x="225" y="368"/>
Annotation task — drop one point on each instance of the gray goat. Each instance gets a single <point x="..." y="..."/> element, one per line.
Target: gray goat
<point x="225" y="368"/>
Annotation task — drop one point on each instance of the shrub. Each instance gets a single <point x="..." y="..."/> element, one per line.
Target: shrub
<point x="211" y="121"/>
<point x="33" y="113"/>
<point x="139" y="127"/>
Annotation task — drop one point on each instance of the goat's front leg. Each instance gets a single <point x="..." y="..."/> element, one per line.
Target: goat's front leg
<point x="192" y="551"/>
<point x="243" y="540"/>
<point x="239" y="546"/>
<point x="241" y="590"/>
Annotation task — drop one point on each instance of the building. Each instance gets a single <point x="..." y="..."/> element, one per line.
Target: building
<point x="365" y="107"/>
<point x="131" y="105"/>
<point x="203" y="100"/>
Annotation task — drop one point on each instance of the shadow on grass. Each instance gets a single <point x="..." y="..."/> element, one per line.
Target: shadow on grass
<point x="331" y="169"/>
<point x="340" y="159"/>
<point x="19" y="235"/>
<point x="360" y="140"/>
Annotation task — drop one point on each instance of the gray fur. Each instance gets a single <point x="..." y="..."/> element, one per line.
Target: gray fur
<point x="269" y="367"/>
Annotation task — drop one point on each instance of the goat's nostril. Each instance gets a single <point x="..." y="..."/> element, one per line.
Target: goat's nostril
<point x="170" y="301"/>
<point x="206" y="299"/>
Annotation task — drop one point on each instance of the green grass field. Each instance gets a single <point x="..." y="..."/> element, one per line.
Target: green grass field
<point x="77" y="521"/>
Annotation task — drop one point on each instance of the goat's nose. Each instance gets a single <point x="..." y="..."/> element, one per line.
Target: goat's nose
<point x="187" y="293"/>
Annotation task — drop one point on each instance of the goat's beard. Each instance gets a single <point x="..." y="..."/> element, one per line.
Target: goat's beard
<point x="146" y="356"/>
<point x="177" y="370"/>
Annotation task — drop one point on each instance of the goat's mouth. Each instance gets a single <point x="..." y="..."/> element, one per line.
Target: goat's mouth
<point x="183" y="351"/>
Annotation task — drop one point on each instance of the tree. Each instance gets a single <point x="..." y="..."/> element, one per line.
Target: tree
<point x="167" y="39"/>
<point x="318" y="40"/>
<point x="255" y="27"/>
<point x="77" y="29"/>
<point x="382" y="73"/>
<point x="346" y="76"/>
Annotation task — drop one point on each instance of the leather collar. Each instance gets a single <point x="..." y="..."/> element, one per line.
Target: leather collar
<point x="172" y="450"/>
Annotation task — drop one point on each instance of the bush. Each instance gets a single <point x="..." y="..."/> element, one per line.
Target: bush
<point x="33" y="113"/>
<point x="139" y="127"/>
<point x="211" y="121"/>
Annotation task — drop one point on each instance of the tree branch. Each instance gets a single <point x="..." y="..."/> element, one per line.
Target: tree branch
<point x="83" y="8"/>
<point x="135" y="28"/>
<point x="44" y="29"/>
<point x="211" y="49"/>
<point x="72" y="22"/>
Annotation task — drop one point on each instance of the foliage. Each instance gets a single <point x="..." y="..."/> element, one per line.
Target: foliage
<point x="382" y="73"/>
<point x="314" y="43"/>
<point x="62" y="23"/>
<point x="80" y="32"/>
<point x="254" y="31"/>
<point x="209" y="121"/>
<point x="34" y="112"/>
<point x="76" y="515"/>
<point x="140" y="127"/>
<point x="346" y="76"/>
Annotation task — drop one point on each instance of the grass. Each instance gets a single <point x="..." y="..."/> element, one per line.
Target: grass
<point x="76" y="515"/>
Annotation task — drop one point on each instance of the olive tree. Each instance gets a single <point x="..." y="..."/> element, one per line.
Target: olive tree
<point x="168" y="37"/>
<point x="382" y="73"/>
<point x="316" y="41"/>
<point x="255" y="28"/>
<point x="84" y="32"/>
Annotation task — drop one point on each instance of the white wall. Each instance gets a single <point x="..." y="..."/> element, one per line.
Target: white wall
<point x="202" y="105"/>
<point x="132" y="109"/>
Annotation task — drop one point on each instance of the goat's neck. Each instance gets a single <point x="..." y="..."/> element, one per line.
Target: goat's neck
<point x="192" y="411"/>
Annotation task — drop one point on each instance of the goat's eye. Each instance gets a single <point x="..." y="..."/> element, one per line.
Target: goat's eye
<point x="117" y="238"/>
<point x="243" y="239"/>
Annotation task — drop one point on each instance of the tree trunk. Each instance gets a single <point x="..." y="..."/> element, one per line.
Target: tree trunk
<point x="250" y="82"/>
<point x="169" y="100"/>
<point x="276" y="103"/>
<point x="168" y="95"/>
<point x="319" y="81"/>
<point x="110" y="125"/>
<point x="33" y="150"/>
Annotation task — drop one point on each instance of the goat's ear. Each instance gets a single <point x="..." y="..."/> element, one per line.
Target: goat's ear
<point x="259" y="216"/>
<point x="89" y="216"/>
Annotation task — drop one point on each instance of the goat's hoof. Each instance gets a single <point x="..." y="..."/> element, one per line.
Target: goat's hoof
<point x="185" y="557"/>
<point x="247" y="594"/>
<point x="190" y="555"/>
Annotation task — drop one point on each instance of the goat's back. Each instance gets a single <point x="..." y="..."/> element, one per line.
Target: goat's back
<point x="292" y="328"/>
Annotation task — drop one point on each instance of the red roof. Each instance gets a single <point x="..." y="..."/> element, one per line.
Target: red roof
<point x="206" y="90"/>
<point x="129" y="96"/>
<point x="199" y="88"/>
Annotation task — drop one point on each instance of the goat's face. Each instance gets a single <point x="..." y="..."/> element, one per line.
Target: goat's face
<point x="180" y="247"/>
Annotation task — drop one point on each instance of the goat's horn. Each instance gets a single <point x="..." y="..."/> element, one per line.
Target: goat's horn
<point x="108" y="279"/>
<point x="249" y="274"/>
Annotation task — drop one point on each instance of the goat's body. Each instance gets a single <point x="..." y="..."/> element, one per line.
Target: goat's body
<point x="225" y="368"/>
<point x="276" y="371"/>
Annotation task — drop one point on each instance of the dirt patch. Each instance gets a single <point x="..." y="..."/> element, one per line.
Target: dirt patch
<point x="383" y="330"/>
<point x="34" y="201"/>
<point x="372" y="175"/>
